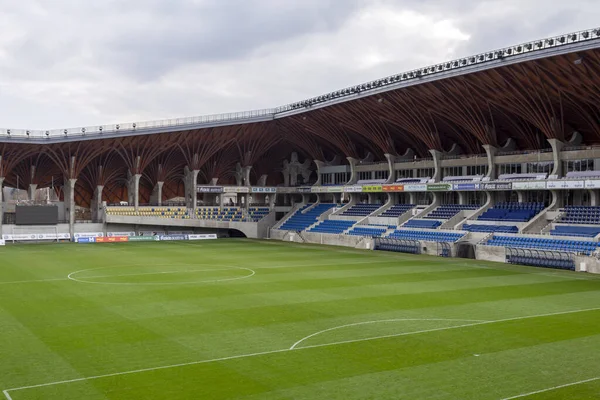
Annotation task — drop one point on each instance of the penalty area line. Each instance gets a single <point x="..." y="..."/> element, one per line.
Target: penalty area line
<point x="552" y="388"/>
<point x="287" y="350"/>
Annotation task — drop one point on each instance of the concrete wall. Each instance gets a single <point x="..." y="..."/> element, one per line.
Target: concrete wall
<point x="250" y="229"/>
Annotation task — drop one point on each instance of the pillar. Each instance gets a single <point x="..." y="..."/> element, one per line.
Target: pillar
<point x="437" y="164"/>
<point x="462" y="198"/>
<point x="262" y="181"/>
<point x="491" y="151"/>
<point x="319" y="164"/>
<point x="412" y="197"/>
<point x="156" y="196"/>
<point x="190" y="177"/>
<point x="69" y="193"/>
<point x="353" y="175"/>
<point x="247" y="170"/>
<point x="96" y="206"/>
<point x="391" y="172"/>
<point x="133" y="190"/>
<point x="31" y="190"/>
<point x="593" y="197"/>
<point x="557" y="146"/>
<point x="520" y="196"/>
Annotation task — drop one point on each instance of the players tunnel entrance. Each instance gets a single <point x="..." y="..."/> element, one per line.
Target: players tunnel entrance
<point x="234" y="233"/>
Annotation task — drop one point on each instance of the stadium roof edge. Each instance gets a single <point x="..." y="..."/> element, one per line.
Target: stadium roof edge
<point x="541" y="48"/>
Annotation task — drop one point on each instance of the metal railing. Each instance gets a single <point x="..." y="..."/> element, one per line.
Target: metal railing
<point x="371" y="86"/>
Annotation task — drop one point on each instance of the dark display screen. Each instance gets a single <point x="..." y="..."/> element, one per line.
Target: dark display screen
<point x="36" y="215"/>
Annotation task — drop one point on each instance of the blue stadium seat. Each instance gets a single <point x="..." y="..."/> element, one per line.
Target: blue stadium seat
<point x="332" y="226"/>
<point x="514" y="212"/>
<point x="361" y="210"/>
<point x="431" y="236"/>
<point x="448" y="211"/>
<point x="422" y="223"/>
<point x="300" y="221"/>
<point x="574" y="246"/>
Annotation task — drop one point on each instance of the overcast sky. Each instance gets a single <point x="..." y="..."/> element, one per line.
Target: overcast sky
<point x="69" y="63"/>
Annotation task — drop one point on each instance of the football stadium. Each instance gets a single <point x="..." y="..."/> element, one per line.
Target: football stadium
<point x="433" y="234"/>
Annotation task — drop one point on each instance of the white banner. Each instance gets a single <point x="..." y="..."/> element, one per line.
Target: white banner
<point x="353" y="189"/>
<point x="111" y="234"/>
<point x="236" y="189"/>
<point x="202" y="236"/>
<point x="2" y="242"/>
<point x="415" y="188"/>
<point x="565" y="185"/>
<point x="528" y="185"/>
<point x="592" y="184"/>
<point x="87" y="234"/>
<point x="24" y="237"/>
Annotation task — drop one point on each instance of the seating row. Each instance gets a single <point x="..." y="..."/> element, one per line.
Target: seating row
<point x="331" y="226"/>
<point x="422" y="223"/>
<point x="490" y="228"/>
<point x="396" y="210"/>
<point x="431" y="236"/>
<point x="300" y="221"/>
<point x="583" y="231"/>
<point x="361" y="210"/>
<point x="448" y="211"/>
<point x="576" y="246"/>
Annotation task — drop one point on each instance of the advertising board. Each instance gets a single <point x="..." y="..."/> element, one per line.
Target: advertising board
<point x="372" y="188"/>
<point x="111" y="234"/>
<point x="210" y="189"/>
<point x="465" y="186"/>
<point x="565" y="184"/>
<point x="393" y="188"/>
<point x="209" y="236"/>
<point x="529" y="185"/>
<point x="306" y="189"/>
<point x="112" y="239"/>
<point x="497" y="186"/>
<point x="353" y="189"/>
<point x="264" y="190"/>
<point x="335" y="189"/>
<point x="168" y="238"/>
<point x="236" y="189"/>
<point x="415" y="187"/>
<point x="143" y="238"/>
<point x="592" y="184"/>
<point x="439" y="187"/>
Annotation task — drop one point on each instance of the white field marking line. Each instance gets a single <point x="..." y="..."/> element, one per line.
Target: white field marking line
<point x="295" y="345"/>
<point x="552" y="388"/>
<point x="448" y="328"/>
<point x="281" y="351"/>
<point x="33" y="281"/>
<point x="5" y="392"/>
<point x="252" y="273"/>
<point x="158" y="273"/>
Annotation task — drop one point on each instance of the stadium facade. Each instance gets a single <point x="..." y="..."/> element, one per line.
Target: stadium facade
<point x="492" y="151"/>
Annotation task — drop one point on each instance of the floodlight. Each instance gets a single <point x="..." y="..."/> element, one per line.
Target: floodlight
<point x="134" y="125"/>
<point x="455" y="64"/>
<point x="440" y="67"/>
<point x="528" y="46"/>
<point x="539" y="44"/>
<point x="597" y="32"/>
<point x="100" y="129"/>
<point x="573" y="37"/>
<point x="47" y="133"/>
<point x="481" y="57"/>
<point x="27" y="133"/>
<point x="551" y="42"/>
<point x="561" y="39"/>
<point x="519" y="49"/>
<point x="448" y="65"/>
<point x="8" y="132"/>
<point x="118" y="126"/>
<point x="65" y="132"/>
<point x="585" y="35"/>
<point x="83" y="130"/>
<point x="509" y="52"/>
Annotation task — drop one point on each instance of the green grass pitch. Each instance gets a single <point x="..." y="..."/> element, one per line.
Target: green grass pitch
<point x="242" y="319"/>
